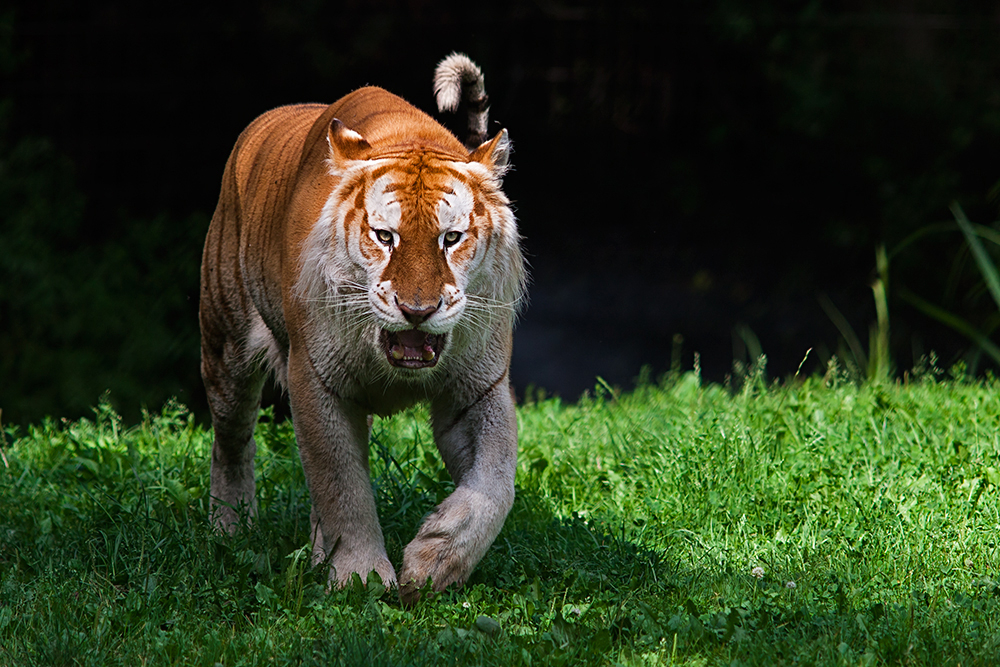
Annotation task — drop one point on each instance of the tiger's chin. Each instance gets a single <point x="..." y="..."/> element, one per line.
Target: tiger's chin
<point x="411" y="348"/>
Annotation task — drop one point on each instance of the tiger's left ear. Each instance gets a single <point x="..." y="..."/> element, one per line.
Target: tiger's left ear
<point x="494" y="153"/>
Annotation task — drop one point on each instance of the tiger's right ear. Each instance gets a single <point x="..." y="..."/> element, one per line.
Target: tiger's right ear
<point x="346" y="144"/>
<point x="494" y="153"/>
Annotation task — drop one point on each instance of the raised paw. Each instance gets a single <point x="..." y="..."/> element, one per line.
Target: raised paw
<point x="451" y="542"/>
<point x="431" y="559"/>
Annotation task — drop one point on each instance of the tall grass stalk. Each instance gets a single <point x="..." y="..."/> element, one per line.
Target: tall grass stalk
<point x="880" y="364"/>
<point x="876" y="365"/>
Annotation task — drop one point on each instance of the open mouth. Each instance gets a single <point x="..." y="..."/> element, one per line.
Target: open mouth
<point x="412" y="348"/>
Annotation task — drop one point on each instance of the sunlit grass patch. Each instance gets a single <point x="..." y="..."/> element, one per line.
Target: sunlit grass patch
<point x="815" y="523"/>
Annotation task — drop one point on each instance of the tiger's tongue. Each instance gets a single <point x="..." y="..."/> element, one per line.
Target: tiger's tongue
<point x="414" y="344"/>
<point x="412" y="338"/>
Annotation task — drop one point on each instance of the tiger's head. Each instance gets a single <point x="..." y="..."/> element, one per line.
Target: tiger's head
<point x="415" y="247"/>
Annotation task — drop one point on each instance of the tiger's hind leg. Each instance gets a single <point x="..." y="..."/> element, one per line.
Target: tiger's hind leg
<point x="234" y="399"/>
<point x="233" y="383"/>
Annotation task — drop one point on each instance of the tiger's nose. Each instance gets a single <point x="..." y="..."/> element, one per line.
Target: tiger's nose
<point x="416" y="316"/>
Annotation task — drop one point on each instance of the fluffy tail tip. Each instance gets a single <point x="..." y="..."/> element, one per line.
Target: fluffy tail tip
<point x="454" y="74"/>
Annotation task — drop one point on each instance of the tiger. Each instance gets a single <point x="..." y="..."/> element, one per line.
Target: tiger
<point x="369" y="260"/>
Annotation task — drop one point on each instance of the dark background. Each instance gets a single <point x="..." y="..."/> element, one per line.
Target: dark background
<point x="689" y="176"/>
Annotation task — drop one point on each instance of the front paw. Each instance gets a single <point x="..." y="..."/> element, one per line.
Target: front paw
<point x="342" y="571"/>
<point x="451" y="541"/>
<point x="432" y="559"/>
<point x="232" y="494"/>
<point x="227" y="518"/>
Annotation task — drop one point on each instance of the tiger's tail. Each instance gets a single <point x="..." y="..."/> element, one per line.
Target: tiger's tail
<point x="457" y="79"/>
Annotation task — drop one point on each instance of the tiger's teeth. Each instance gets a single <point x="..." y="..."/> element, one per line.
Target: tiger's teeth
<point x="428" y="354"/>
<point x="397" y="352"/>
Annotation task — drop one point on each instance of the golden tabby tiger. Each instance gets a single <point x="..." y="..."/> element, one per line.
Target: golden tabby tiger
<point x="370" y="260"/>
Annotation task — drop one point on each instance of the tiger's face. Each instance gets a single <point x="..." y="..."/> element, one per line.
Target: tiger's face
<point x="418" y="240"/>
<point x="426" y="239"/>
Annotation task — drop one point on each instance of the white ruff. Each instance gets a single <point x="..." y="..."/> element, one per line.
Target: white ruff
<point x="325" y="260"/>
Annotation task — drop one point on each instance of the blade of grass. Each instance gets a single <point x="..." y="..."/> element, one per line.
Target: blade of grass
<point x="3" y="442"/>
<point x="927" y="230"/>
<point x="984" y="232"/>
<point x="983" y="260"/>
<point x="844" y="327"/>
<point x="953" y="321"/>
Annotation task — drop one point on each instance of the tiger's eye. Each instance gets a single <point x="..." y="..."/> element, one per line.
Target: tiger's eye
<point x="451" y="238"/>
<point x="384" y="236"/>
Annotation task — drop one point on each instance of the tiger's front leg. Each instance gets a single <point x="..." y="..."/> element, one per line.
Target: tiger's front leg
<point x="479" y="448"/>
<point x="332" y="434"/>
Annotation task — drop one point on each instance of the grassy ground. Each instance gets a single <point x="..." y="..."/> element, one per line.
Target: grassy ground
<point x="818" y="523"/>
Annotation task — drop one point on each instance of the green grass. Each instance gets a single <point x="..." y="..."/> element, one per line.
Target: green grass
<point x="872" y="513"/>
